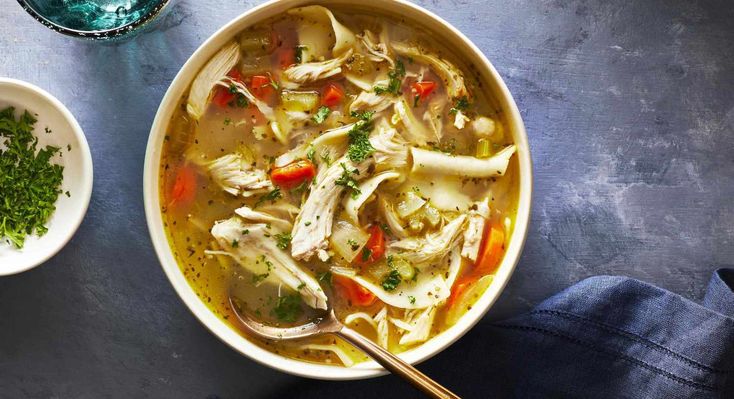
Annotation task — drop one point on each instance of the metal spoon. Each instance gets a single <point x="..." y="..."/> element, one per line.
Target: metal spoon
<point x="329" y="324"/>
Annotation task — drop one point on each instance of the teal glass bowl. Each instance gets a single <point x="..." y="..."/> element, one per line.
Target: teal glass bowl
<point x="96" y="19"/>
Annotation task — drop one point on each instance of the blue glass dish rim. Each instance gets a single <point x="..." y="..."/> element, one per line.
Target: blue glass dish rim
<point x="101" y="33"/>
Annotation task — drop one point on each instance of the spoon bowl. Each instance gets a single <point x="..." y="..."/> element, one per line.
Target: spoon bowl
<point x="329" y="324"/>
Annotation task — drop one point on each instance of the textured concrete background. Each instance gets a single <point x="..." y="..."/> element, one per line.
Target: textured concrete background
<point x="629" y="108"/>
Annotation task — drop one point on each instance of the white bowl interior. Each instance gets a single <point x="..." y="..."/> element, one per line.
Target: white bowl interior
<point x="77" y="162"/>
<point x="490" y="77"/>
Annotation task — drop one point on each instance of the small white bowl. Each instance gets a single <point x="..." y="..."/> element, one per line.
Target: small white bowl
<point x="77" y="163"/>
<point x="450" y="37"/>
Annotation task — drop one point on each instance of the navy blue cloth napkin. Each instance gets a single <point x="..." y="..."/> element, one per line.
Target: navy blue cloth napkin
<point x="616" y="337"/>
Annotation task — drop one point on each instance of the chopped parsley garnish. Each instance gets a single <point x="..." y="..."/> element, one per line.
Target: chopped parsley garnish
<point x="311" y="154"/>
<point x="366" y="254"/>
<point x="396" y="80"/>
<point x="462" y="104"/>
<point x="324" y="277"/>
<point x="391" y="280"/>
<point x="326" y="157"/>
<point x="271" y="196"/>
<point x="348" y="181"/>
<point x="353" y="244"/>
<point x="258" y="278"/>
<point x="364" y="115"/>
<point x="321" y="114"/>
<point x="239" y="100"/>
<point x="283" y="240"/>
<point x="29" y="182"/>
<point x="235" y="243"/>
<point x="411" y="298"/>
<point x="287" y="308"/>
<point x="359" y="141"/>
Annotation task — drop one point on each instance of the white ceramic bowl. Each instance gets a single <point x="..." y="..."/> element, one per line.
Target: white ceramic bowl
<point x="452" y="38"/>
<point x="77" y="163"/>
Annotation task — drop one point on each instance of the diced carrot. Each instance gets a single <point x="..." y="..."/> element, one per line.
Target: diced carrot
<point x="490" y="251"/>
<point x="423" y="89"/>
<point x="293" y="174"/>
<point x="353" y="292"/>
<point x="286" y="57"/>
<point x="261" y="86"/>
<point x="332" y="95"/>
<point x="459" y="288"/>
<point x="374" y="249"/>
<point x="183" y="190"/>
<point x="223" y="96"/>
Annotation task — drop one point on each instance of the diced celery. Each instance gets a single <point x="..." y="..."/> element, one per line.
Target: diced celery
<point x="484" y="148"/>
<point x="300" y="101"/>
<point x="404" y="268"/>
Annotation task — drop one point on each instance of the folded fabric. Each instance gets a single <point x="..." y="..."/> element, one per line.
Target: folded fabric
<point x="616" y="337"/>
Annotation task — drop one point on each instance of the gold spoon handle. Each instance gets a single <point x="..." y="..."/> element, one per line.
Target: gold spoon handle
<point x="395" y="365"/>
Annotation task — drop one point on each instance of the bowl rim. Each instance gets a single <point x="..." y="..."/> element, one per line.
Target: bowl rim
<point x="228" y="335"/>
<point x="87" y="168"/>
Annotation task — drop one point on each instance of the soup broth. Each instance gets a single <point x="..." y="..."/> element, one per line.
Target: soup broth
<point x="327" y="157"/>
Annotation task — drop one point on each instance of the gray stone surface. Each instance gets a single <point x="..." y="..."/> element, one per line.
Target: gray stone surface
<point x="629" y="108"/>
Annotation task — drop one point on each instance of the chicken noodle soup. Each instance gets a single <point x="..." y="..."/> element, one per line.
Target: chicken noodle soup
<point x="326" y="156"/>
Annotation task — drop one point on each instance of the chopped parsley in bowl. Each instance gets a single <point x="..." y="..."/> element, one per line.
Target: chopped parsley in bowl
<point x="30" y="182"/>
<point x="45" y="176"/>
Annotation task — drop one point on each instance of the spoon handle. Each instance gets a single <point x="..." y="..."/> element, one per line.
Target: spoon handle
<point x="396" y="365"/>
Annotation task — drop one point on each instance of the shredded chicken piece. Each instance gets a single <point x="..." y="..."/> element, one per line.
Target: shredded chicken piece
<point x="420" y="323"/>
<point x="391" y="218"/>
<point x="378" y="51"/>
<point x="460" y="120"/>
<point x="338" y="134"/>
<point x="414" y="130"/>
<point x="391" y="151"/>
<point x="379" y="322"/>
<point x="313" y="71"/>
<point x="263" y="107"/>
<point x="252" y="215"/>
<point x="369" y="100"/>
<point x="451" y="76"/>
<point x="313" y="225"/>
<point x="433" y="116"/>
<point x="235" y="175"/>
<point x="475" y="230"/>
<point x="246" y="241"/>
<point x="432" y="247"/>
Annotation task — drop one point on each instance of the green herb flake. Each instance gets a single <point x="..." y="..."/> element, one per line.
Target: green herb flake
<point x="391" y="280"/>
<point x="396" y="81"/>
<point x="348" y="181"/>
<point x="353" y="244"/>
<point x="321" y="114"/>
<point x="283" y="240"/>
<point x="411" y="298"/>
<point x="462" y="104"/>
<point x="258" y="278"/>
<point x="311" y="154"/>
<point x="359" y="141"/>
<point x="272" y="196"/>
<point x="29" y="182"/>
<point x="287" y="308"/>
